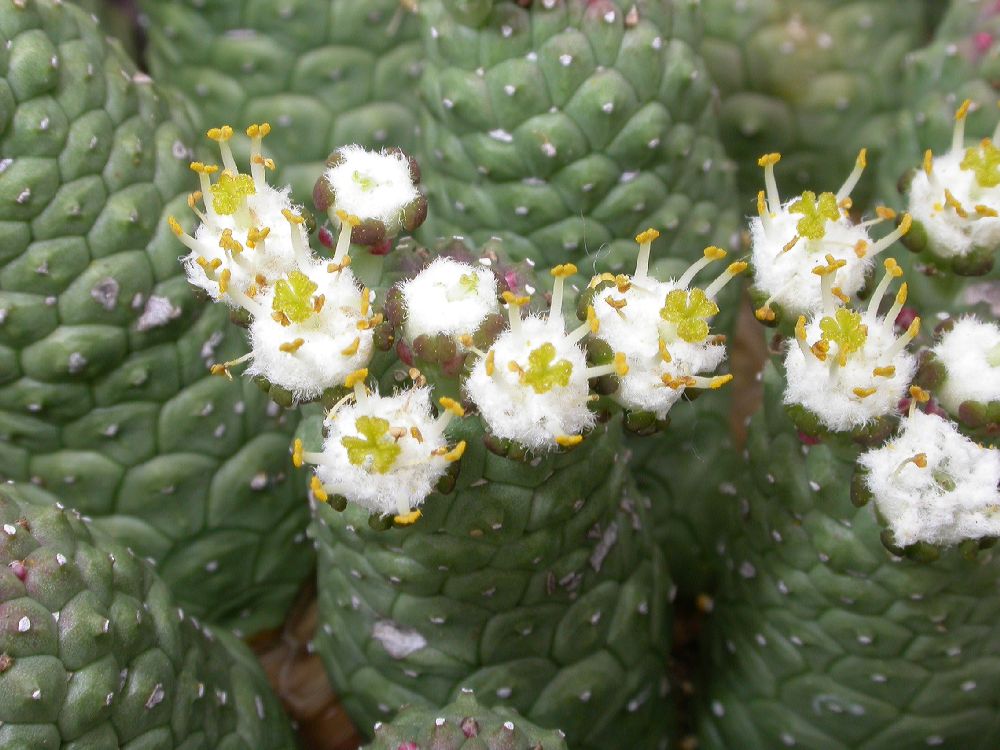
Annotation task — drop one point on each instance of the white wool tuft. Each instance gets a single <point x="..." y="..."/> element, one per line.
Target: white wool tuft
<point x="389" y="191"/>
<point x="513" y="410"/>
<point x="415" y="471"/>
<point x="636" y="333"/>
<point x="950" y="235"/>
<point x="275" y="258"/>
<point x="953" y="498"/>
<point x="319" y="363"/>
<point x="788" y="276"/>
<point x="437" y="299"/>
<point x="832" y="398"/>
<point x="970" y="352"/>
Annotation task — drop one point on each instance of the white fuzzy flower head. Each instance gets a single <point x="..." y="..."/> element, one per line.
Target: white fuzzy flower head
<point x="376" y="190"/>
<point x="532" y="385"/>
<point x="249" y="233"/>
<point x="448" y="297"/>
<point x="934" y="485"/>
<point x="385" y="453"/>
<point x="956" y="196"/>
<point x="849" y="368"/>
<point x="970" y="353"/>
<point x="790" y="240"/>
<point x="311" y="329"/>
<point x="661" y="328"/>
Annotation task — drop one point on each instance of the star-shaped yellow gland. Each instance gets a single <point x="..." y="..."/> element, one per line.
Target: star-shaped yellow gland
<point x="544" y="373"/>
<point x="229" y="193"/>
<point x="377" y="451"/>
<point x="984" y="162"/>
<point x="846" y="330"/>
<point x="814" y="212"/>
<point x="689" y="312"/>
<point x="293" y="298"/>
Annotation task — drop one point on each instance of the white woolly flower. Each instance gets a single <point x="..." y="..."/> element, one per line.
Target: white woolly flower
<point x="970" y="353"/>
<point x="250" y="233"/>
<point x="385" y="453"/>
<point x="311" y="330"/>
<point x="956" y="196"/>
<point x="450" y="298"/>
<point x="934" y="485"/>
<point x="791" y="240"/>
<point x="662" y="330"/>
<point x="532" y="385"/>
<point x="849" y="368"/>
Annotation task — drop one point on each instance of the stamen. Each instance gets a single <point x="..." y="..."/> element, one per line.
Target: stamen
<point x="203" y="171"/>
<point x="917" y="396"/>
<point x="765" y="215"/>
<point x="958" y="134"/>
<point x="904" y="226"/>
<point x="928" y="162"/>
<point x="592" y="319"/>
<point x="190" y="242"/>
<point x="734" y="269"/>
<point x="952" y="202"/>
<point x="854" y="176"/>
<point x="347" y="223"/>
<point x="864" y="392"/>
<point x="295" y="228"/>
<point x="900" y="343"/>
<point x="568" y="441"/>
<point x="490" y="363"/>
<point x="985" y="211"/>
<point x="222" y="136"/>
<point x="356" y="381"/>
<point x="290" y="347"/>
<point x="406" y="519"/>
<point x="709" y="255"/>
<point x="892" y="271"/>
<point x="257" y="161"/>
<point x="800" y="337"/>
<point x="767" y="161"/>
<point x="827" y="274"/>
<point x="645" y="240"/>
<point x="561" y="272"/>
<point x="455" y="453"/>
<point x="318" y="490"/>
<point x="578" y="333"/>
<point x="897" y="305"/>
<point x="663" y="352"/>
<point x="514" y="304"/>
<point x="352" y="348"/>
<point x="223" y="368"/>
<point x="884" y="372"/>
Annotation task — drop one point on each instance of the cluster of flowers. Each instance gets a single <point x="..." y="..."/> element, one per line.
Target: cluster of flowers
<point x="847" y="369"/>
<point x="312" y="324"/>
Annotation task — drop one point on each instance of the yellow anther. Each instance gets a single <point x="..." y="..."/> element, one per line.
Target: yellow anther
<point x="800" y="328"/>
<point x="261" y="279"/>
<point x="617" y="304"/>
<point x="928" y="162"/>
<point x="892" y="268"/>
<point x="563" y="270"/>
<point x="255" y="236"/>
<point x="407" y="519"/>
<point x="290" y="347"/>
<point x="861" y="248"/>
<point x="366" y="299"/>
<point x="768" y="160"/>
<point x="761" y="203"/>
<point x="832" y="265"/>
<point x="259" y="131"/>
<point x="220" y="369"/>
<point x="455" y="453"/>
<point x="416" y="434"/>
<point x="281" y="318"/>
<point x="920" y="460"/>
<point x="737" y="267"/>
<point x="720" y="380"/>
<point x="372" y="322"/>
<point x="982" y="210"/>
<point x="175" y="226"/>
<point x="335" y="267"/>
<point x="226" y="242"/>
<point x="846" y="203"/>
<point x="914" y="328"/>
<point x="884" y="372"/>
<point x="201" y="168"/>
<point x="220" y="134"/>
<point x="599" y="278"/>
<point x="952" y="201"/>
<point x="862" y="160"/>
<point x="864" y="392"/>
<point x="884" y="212"/>
<point x="621" y="365"/>
<point x="297" y="450"/>
<point x="214" y="264"/>
<point x="251" y="291"/>
<point x="318" y="490"/>
<point x="358" y="376"/>
<point x="466" y="340"/>
<point x="790" y="244"/>
<point x="764" y="314"/>
<point x="592" y="320"/>
<point x="224" y="278"/>
<point x="193" y="198"/>
<point x="901" y="294"/>
<point x="452" y="405"/>
<point x="264" y="160"/>
<point x="919" y="395"/>
<point x="648" y="236"/>
<point x="352" y="349"/>
<point x="664" y="354"/>
<point x="622" y="283"/>
<point x="291" y="217"/>
<point x="490" y="365"/>
<point x="820" y="349"/>
<point x="839" y="294"/>
<point x="512" y="299"/>
<point x="568" y="441"/>
<point x="963" y="109"/>
<point x="347" y="218"/>
<point x="318" y="302"/>
<point x="714" y="253"/>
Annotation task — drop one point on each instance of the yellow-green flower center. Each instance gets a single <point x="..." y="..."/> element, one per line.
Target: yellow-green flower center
<point x="984" y="162"/>
<point x="230" y="193"/>
<point x="544" y="373"/>
<point x="376" y="451"/>
<point x="689" y="312"/>
<point x="846" y="330"/>
<point x="365" y="182"/>
<point x="293" y="297"/>
<point x="469" y="282"/>
<point x="815" y="213"/>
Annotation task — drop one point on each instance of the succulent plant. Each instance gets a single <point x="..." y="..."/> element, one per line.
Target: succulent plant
<point x="96" y="653"/>
<point x="105" y="394"/>
<point x="464" y="724"/>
